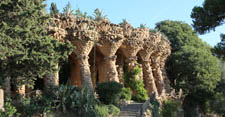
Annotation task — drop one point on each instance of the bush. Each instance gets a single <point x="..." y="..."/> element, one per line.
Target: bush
<point x="136" y="85"/>
<point x="105" y="110"/>
<point x="109" y="92"/>
<point x="102" y="110"/>
<point x="169" y="108"/>
<point x="10" y="110"/>
<point x="126" y="94"/>
<point x="64" y="100"/>
<point x="115" y="111"/>
<point x="71" y="99"/>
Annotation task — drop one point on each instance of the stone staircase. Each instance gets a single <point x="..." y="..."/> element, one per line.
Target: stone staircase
<point x="131" y="110"/>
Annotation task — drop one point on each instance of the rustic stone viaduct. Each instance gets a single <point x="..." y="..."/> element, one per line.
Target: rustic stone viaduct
<point x="103" y="48"/>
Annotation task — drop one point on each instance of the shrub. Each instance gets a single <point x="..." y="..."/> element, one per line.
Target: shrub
<point x="109" y="92"/>
<point x="71" y="99"/>
<point x="126" y="94"/>
<point x="105" y="110"/>
<point x="136" y="85"/>
<point x="102" y="110"/>
<point x="169" y="108"/>
<point x="10" y="110"/>
<point x="115" y="111"/>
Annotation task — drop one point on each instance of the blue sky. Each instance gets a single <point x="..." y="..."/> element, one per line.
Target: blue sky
<point x="147" y="12"/>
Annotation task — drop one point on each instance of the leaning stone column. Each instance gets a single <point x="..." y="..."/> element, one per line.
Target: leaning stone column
<point x="111" y="38"/>
<point x="56" y="31"/>
<point x="157" y="73"/>
<point x="148" y="48"/>
<point x="166" y="51"/>
<point x="83" y="36"/>
<point x="132" y="45"/>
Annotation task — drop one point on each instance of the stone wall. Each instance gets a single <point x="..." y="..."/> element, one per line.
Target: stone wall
<point x="103" y="48"/>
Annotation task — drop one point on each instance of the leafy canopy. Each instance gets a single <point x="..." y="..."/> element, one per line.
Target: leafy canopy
<point x="27" y="52"/>
<point x="208" y="16"/>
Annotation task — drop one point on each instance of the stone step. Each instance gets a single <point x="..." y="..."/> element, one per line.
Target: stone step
<point x="131" y="110"/>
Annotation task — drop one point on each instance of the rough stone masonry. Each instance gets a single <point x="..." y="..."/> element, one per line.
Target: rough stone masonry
<point x="103" y="48"/>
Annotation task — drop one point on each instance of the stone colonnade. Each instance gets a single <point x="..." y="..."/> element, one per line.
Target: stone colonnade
<point x="103" y="48"/>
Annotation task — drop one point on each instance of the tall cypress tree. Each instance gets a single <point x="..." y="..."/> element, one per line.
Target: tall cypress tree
<point x="26" y="50"/>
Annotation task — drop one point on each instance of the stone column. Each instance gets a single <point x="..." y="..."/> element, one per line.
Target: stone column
<point x="110" y="68"/>
<point x="85" y="73"/>
<point x="149" y="80"/>
<point x="148" y="48"/>
<point x="120" y="64"/>
<point x="75" y="78"/>
<point x="1" y="100"/>
<point x="21" y="90"/>
<point x="52" y="79"/>
<point x="83" y="48"/>
<point x="7" y="86"/>
<point x="157" y="73"/>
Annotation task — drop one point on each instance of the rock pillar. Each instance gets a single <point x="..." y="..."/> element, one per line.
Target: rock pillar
<point x="7" y="86"/>
<point x="81" y="52"/>
<point x="157" y="73"/>
<point x="1" y="100"/>
<point x="75" y="78"/>
<point x="148" y="48"/>
<point x="21" y="90"/>
<point x="111" y="38"/>
<point x="52" y="79"/>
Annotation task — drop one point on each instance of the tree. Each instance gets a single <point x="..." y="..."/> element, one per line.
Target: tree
<point x="28" y="51"/>
<point x="191" y="65"/>
<point x="53" y="9"/>
<point x="179" y="34"/>
<point x="98" y="14"/>
<point x="209" y="16"/>
<point x="67" y="10"/>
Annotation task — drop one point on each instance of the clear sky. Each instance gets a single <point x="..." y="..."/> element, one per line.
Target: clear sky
<point x="138" y="12"/>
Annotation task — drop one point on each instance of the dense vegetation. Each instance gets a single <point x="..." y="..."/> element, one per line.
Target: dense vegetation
<point x="27" y="53"/>
<point x="191" y="66"/>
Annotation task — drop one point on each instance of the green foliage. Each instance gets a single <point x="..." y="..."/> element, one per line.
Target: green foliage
<point x="218" y="102"/>
<point x="154" y="106"/>
<point x="169" y="108"/>
<point x="180" y="34"/>
<point x="136" y="85"/>
<point x="102" y="110"/>
<point x="10" y="110"/>
<point x="126" y="94"/>
<point x="109" y="92"/>
<point x="191" y="65"/>
<point x="113" y="110"/>
<point x="69" y="98"/>
<point x="208" y="16"/>
<point x="34" y="105"/>
<point x="105" y="110"/>
<point x="67" y="10"/>
<point x="53" y="9"/>
<point x="27" y="52"/>
<point x="98" y="14"/>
